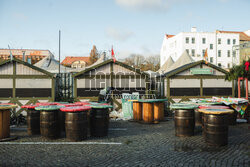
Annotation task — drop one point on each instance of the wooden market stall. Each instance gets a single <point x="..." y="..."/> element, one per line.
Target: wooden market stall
<point x="123" y="78"/>
<point x="197" y="80"/>
<point x="22" y="83"/>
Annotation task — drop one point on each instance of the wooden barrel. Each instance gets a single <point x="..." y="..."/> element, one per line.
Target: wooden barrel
<point x="137" y="111"/>
<point x="4" y="123"/>
<point x="184" y="122"/>
<point x="216" y="129"/>
<point x="76" y="126"/>
<point x="50" y="124"/>
<point x="99" y="122"/>
<point x="158" y="111"/>
<point x="198" y="118"/>
<point x="148" y="112"/>
<point x="33" y="121"/>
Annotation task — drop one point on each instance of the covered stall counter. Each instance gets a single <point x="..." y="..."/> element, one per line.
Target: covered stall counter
<point x="99" y="119"/>
<point x="216" y="126"/>
<point x="149" y="110"/>
<point x="5" y="120"/>
<point x="50" y="121"/>
<point x="184" y="119"/>
<point x="76" y="122"/>
<point x="33" y="119"/>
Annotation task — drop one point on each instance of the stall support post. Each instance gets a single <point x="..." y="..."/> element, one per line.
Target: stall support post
<point x="238" y="87"/>
<point x="246" y="88"/>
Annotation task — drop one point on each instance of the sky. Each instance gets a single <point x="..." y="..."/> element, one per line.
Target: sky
<point x="131" y="26"/>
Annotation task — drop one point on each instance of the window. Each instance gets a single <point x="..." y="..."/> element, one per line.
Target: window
<point x="219" y="64"/>
<point x="219" y="53"/>
<point x="234" y="41"/>
<point x="228" y="65"/>
<point x="211" y="46"/>
<point x="228" y="41"/>
<point x="211" y="59"/>
<point x="187" y="51"/>
<point x="193" y="40"/>
<point x="193" y="52"/>
<point x="219" y="41"/>
<point x="203" y="40"/>
<point x="203" y="52"/>
<point x="234" y="53"/>
<point x="228" y="53"/>
<point x="187" y="40"/>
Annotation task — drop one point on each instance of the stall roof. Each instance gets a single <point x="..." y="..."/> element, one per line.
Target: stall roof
<point x="190" y="65"/>
<point x="50" y="64"/>
<point x="166" y="65"/>
<point x="108" y="62"/>
<point x="27" y="64"/>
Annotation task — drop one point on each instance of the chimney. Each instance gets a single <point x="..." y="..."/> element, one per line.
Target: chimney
<point x="23" y="55"/>
<point x="193" y="29"/>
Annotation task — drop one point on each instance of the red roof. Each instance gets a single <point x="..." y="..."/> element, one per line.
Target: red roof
<point x="69" y="60"/>
<point x="169" y="36"/>
<point x="243" y="36"/>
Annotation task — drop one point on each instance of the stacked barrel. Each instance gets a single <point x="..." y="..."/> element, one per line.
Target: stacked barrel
<point x="51" y="119"/>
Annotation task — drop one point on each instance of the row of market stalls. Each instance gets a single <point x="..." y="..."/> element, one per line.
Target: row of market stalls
<point x="22" y="83"/>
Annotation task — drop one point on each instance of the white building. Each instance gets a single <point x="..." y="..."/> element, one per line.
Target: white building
<point x="219" y="45"/>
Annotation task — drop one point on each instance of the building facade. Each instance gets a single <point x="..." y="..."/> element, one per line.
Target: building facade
<point x="219" y="46"/>
<point x="30" y="56"/>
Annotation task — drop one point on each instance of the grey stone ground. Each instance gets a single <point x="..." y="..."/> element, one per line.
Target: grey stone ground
<point x="142" y="145"/>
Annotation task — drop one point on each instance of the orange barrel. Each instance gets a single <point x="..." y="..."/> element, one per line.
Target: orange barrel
<point x="158" y="111"/>
<point x="76" y="122"/>
<point x="216" y="126"/>
<point x="184" y="119"/>
<point x="148" y="112"/>
<point x="5" y="120"/>
<point x="50" y="121"/>
<point x="137" y="111"/>
<point x="33" y="119"/>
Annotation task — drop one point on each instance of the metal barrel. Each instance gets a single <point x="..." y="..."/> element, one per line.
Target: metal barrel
<point x="232" y="118"/>
<point x="62" y="120"/>
<point x="184" y="122"/>
<point x="198" y="117"/>
<point x="33" y="121"/>
<point x="76" y="126"/>
<point x="99" y="122"/>
<point x="216" y="129"/>
<point x="49" y="124"/>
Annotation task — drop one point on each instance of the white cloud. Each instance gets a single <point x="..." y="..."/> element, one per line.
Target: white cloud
<point x="149" y="5"/>
<point x="20" y="16"/>
<point x="118" y="34"/>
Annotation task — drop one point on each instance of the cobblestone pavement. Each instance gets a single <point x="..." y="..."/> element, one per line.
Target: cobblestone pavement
<point x="142" y="145"/>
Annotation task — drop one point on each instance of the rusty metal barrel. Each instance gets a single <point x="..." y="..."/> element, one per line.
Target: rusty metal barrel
<point x="33" y="119"/>
<point x="184" y="119"/>
<point x="76" y="122"/>
<point x="216" y="126"/>
<point x="198" y="115"/>
<point x="99" y="120"/>
<point x="49" y="121"/>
